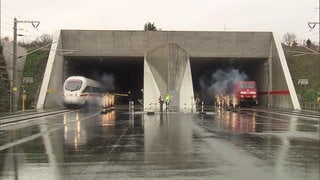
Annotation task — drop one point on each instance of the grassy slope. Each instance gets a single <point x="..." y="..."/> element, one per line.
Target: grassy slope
<point x="304" y="67"/>
<point x="34" y="67"/>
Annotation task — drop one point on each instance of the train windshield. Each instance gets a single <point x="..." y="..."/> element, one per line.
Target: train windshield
<point x="73" y="85"/>
<point x="247" y="85"/>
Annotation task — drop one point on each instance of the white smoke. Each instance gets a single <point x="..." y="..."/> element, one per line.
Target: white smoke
<point x="221" y="82"/>
<point x="107" y="81"/>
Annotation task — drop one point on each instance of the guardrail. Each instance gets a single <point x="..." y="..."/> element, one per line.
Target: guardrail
<point x="312" y="106"/>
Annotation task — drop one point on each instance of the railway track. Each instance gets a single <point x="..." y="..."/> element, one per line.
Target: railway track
<point x="21" y="117"/>
<point x="283" y="112"/>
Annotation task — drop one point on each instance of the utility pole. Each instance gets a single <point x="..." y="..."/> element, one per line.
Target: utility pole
<point x="14" y="87"/>
<point x="14" y="69"/>
<point x="312" y="25"/>
<point x="0" y="25"/>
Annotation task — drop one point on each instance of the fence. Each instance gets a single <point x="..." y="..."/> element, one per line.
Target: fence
<point x="312" y="106"/>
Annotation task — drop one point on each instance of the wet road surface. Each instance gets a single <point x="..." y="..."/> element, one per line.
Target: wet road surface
<point x="243" y="144"/>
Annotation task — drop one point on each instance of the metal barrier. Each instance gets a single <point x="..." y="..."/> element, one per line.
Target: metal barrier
<point x="131" y="106"/>
<point x="312" y="106"/>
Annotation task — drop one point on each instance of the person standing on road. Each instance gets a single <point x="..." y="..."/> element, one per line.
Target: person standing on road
<point x="161" y="101"/>
<point x="197" y="101"/>
<point x="167" y="101"/>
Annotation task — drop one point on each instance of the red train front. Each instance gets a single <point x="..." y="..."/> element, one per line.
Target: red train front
<point x="247" y="93"/>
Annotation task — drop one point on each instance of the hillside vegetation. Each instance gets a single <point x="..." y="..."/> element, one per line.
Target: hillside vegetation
<point x="34" y="67"/>
<point x="304" y="64"/>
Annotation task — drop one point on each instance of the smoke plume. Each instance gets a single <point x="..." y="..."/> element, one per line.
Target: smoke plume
<point x="107" y="81"/>
<point x="221" y="82"/>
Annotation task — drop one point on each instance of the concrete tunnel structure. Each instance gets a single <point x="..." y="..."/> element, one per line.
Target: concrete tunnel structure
<point x="152" y="63"/>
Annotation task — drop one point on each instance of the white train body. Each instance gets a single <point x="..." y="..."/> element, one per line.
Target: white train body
<point x="79" y="91"/>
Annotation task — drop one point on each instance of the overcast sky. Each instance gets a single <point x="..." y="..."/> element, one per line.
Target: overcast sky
<point x="280" y="16"/>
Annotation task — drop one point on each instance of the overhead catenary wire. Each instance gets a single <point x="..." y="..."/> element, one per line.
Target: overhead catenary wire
<point x="15" y="14"/>
<point x="3" y="15"/>
<point x="27" y="30"/>
<point x="40" y="48"/>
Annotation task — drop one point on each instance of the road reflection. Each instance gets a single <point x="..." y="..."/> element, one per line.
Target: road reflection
<point x="74" y="131"/>
<point x="237" y="122"/>
<point x="285" y="142"/>
<point x="108" y="119"/>
<point x="91" y="145"/>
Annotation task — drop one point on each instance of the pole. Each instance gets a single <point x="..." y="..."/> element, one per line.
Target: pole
<point x="14" y="67"/>
<point x="14" y="88"/>
<point x="313" y="24"/>
<point x="0" y="25"/>
<point x="202" y="106"/>
<point x="23" y="98"/>
<point x="22" y="105"/>
<point x="267" y="75"/>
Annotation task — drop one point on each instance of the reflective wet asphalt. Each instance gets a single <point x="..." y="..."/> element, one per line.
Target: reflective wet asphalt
<point x="243" y="144"/>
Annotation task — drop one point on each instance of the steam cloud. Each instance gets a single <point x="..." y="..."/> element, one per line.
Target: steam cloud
<point x="107" y="81"/>
<point x="221" y="82"/>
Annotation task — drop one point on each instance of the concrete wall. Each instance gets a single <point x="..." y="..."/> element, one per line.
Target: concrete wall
<point x="157" y="60"/>
<point x="170" y="70"/>
<point x="196" y="43"/>
<point x="187" y="102"/>
<point x="177" y="62"/>
<point x="262" y="78"/>
<point x="51" y="87"/>
<point x="259" y="45"/>
<point x="274" y="78"/>
<point x="281" y="81"/>
<point x="152" y="93"/>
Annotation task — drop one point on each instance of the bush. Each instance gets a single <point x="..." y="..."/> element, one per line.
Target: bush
<point x="310" y="95"/>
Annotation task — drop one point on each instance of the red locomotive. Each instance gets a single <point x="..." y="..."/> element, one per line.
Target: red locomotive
<point x="246" y="93"/>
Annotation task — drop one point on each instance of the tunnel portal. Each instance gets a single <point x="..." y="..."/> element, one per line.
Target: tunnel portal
<point x="121" y="75"/>
<point x="124" y="75"/>
<point x="190" y="58"/>
<point x="208" y="71"/>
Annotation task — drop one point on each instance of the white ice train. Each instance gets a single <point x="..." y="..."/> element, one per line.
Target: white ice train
<point x="79" y="91"/>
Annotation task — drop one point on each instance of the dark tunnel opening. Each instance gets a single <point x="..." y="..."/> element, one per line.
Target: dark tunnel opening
<point x="121" y="75"/>
<point x="213" y="75"/>
<point x="125" y="74"/>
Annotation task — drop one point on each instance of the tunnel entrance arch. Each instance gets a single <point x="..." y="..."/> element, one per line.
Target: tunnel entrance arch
<point x="214" y="75"/>
<point x="121" y="75"/>
<point x="260" y="52"/>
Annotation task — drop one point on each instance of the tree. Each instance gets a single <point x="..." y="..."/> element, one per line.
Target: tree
<point x="148" y="26"/>
<point x="44" y="39"/>
<point x="289" y="38"/>
<point x="41" y="41"/>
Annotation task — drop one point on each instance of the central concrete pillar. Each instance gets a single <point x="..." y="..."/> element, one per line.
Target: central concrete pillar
<point x="167" y="70"/>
